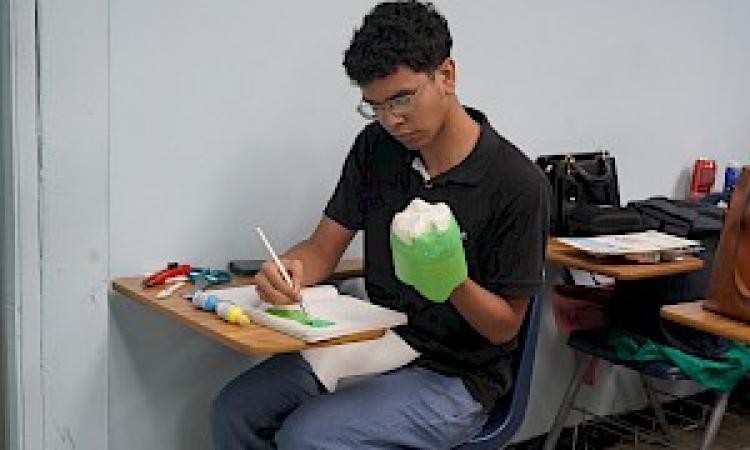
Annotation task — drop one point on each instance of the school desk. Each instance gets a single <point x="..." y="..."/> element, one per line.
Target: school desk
<point x="617" y="267"/>
<point x="693" y="315"/>
<point x="621" y="270"/>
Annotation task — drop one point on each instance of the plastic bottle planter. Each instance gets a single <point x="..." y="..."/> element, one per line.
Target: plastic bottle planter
<point x="434" y="262"/>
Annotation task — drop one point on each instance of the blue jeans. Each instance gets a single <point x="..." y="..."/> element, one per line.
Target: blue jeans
<point x="280" y="404"/>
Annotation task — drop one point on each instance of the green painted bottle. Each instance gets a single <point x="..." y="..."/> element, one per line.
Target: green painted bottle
<point x="434" y="262"/>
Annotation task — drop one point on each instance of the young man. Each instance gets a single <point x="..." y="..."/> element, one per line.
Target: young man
<point x="421" y="143"/>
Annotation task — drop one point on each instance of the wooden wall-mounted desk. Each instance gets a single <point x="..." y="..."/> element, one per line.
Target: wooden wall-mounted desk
<point x="617" y="267"/>
<point x="251" y="339"/>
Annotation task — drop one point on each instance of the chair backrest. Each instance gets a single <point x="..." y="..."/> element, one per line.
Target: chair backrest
<point x="506" y="418"/>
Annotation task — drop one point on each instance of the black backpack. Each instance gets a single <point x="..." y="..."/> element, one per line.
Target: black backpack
<point x="683" y="218"/>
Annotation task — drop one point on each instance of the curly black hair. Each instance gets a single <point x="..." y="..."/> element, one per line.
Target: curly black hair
<point x="393" y="34"/>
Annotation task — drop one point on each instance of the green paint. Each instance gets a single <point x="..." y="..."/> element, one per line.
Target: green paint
<point x="299" y="316"/>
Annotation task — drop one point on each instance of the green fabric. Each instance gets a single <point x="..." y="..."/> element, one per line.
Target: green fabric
<point x="722" y="374"/>
<point x="434" y="262"/>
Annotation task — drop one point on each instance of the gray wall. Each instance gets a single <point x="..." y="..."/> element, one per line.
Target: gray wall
<point x="223" y="116"/>
<point x="22" y="262"/>
<point x="73" y="174"/>
<point x="170" y="128"/>
<point x="238" y="113"/>
<point x="6" y="216"/>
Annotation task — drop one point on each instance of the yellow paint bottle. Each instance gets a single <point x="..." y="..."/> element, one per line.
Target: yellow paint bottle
<point x="232" y="313"/>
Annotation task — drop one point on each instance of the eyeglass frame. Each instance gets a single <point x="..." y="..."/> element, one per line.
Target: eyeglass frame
<point x="400" y="105"/>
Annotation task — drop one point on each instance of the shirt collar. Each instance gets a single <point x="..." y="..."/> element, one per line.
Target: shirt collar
<point x="473" y="167"/>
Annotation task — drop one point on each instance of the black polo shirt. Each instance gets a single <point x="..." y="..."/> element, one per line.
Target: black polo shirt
<point x="500" y="201"/>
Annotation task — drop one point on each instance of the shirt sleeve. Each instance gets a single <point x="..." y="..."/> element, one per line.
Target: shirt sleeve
<point x="346" y="205"/>
<point x="517" y="243"/>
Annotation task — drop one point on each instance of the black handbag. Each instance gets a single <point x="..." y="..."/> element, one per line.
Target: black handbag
<point x="579" y="179"/>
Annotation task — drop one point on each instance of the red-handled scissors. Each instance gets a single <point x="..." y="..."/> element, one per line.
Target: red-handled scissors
<point x="172" y="270"/>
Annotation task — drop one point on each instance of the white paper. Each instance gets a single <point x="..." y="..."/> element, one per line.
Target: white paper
<point x="339" y="362"/>
<point x="350" y="314"/>
<point x="346" y="361"/>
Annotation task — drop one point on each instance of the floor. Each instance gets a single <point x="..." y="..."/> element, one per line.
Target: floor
<point x="734" y="433"/>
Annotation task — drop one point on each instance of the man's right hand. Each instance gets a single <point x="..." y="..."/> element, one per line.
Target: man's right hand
<point x="273" y="288"/>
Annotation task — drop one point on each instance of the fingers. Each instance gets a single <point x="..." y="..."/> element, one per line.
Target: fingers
<point x="268" y="293"/>
<point x="294" y="268"/>
<point x="273" y="288"/>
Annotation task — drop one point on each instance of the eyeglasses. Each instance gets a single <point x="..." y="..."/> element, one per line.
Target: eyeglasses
<point x="401" y="105"/>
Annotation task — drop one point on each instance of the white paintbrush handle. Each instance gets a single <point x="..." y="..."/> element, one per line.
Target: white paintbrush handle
<point x="278" y="263"/>
<point x="274" y="257"/>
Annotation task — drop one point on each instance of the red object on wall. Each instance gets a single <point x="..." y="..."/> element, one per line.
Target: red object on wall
<point x="704" y="175"/>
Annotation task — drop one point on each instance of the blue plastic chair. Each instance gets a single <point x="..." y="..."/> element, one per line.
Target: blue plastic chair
<point x="506" y="418"/>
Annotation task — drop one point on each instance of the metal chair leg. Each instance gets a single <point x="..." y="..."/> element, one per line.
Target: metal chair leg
<point x="661" y="418"/>
<point x="713" y="425"/>
<point x="571" y="393"/>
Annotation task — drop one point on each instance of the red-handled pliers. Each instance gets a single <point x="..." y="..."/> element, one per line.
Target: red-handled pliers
<point x="172" y="270"/>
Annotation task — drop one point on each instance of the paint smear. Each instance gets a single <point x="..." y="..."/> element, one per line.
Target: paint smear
<point x="299" y="316"/>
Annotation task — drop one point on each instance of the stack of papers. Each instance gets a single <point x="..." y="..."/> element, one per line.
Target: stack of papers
<point x="646" y="246"/>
